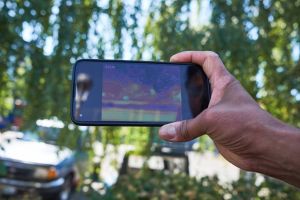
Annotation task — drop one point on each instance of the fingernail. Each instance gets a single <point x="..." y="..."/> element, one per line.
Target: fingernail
<point x="168" y="131"/>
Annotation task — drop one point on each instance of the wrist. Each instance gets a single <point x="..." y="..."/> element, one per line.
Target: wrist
<point x="280" y="155"/>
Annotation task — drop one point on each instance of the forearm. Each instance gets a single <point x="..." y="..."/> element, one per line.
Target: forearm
<point x="281" y="158"/>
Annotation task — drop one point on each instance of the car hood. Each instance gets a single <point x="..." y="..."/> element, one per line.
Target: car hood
<point x="33" y="152"/>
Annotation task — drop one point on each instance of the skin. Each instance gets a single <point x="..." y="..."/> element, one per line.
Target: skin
<point x="245" y="134"/>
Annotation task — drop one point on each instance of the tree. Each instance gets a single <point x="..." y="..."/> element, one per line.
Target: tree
<point x="40" y="40"/>
<point x="249" y="38"/>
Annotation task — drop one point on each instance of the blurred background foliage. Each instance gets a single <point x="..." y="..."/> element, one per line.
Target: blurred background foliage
<point x="148" y="185"/>
<point x="40" y="40"/>
<point x="258" y="41"/>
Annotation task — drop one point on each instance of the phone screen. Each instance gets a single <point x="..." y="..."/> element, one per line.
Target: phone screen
<point x="130" y="91"/>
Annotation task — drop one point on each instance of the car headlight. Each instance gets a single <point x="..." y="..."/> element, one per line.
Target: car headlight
<point x="45" y="173"/>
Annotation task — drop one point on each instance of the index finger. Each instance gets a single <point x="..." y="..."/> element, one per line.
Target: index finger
<point x="210" y="62"/>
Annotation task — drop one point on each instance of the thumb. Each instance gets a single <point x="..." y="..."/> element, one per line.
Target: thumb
<point x="186" y="130"/>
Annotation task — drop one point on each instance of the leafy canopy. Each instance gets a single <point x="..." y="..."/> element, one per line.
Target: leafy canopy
<point x="40" y="40"/>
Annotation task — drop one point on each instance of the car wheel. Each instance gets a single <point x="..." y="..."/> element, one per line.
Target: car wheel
<point x="64" y="193"/>
<point x="67" y="189"/>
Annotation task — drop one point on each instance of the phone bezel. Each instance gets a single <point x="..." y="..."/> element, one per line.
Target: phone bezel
<point x="122" y="123"/>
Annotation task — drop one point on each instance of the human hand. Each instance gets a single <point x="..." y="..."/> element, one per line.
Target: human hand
<point x="240" y="129"/>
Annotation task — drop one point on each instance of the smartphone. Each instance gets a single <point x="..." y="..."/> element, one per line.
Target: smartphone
<point x="136" y="93"/>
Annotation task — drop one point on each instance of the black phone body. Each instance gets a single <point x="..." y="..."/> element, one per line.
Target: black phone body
<point x="136" y="93"/>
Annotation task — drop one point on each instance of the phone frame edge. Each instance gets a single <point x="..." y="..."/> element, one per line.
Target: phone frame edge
<point x="120" y="123"/>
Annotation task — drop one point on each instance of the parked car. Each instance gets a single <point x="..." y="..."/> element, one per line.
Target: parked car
<point x="28" y="164"/>
<point x="171" y="153"/>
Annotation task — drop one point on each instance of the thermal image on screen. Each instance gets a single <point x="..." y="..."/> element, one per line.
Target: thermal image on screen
<point x="134" y="93"/>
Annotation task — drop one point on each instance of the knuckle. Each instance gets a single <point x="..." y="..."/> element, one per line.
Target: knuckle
<point x="209" y="115"/>
<point x="178" y="128"/>
<point x="229" y="79"/>
<point x="182" y="130"/>
<point x="226" y="80"/>
<point x="212" y="55"/>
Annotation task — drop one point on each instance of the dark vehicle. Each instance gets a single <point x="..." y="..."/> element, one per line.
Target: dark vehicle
<point x="174" y="156"/>
<point x="29" y="165"/>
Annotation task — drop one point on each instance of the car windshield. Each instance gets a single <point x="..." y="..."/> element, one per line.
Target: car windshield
<point x="43" y="134"/>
